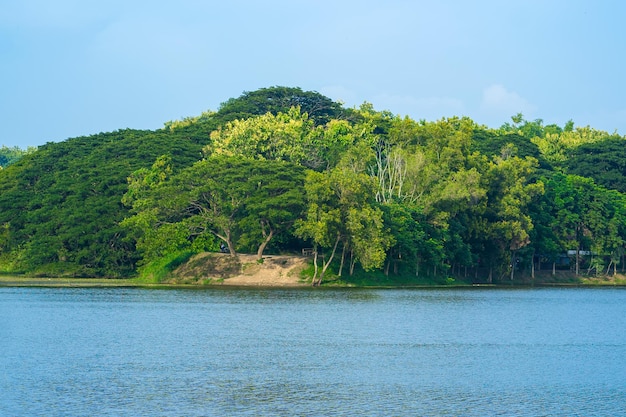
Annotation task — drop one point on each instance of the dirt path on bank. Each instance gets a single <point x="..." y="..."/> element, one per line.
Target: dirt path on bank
<point x="275" y="271"/>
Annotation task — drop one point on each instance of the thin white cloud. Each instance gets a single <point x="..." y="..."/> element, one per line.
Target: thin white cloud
<point x="497" y="101"/>
<point x="428" y="108"/>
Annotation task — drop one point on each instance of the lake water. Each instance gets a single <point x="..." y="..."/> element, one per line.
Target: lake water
<point x="222" y="352"/>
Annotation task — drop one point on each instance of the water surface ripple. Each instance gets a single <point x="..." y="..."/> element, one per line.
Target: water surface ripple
<point x="470" y="352"/>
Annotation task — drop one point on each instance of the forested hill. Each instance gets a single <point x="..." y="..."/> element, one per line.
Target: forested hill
<point x="60" y="207"/>
<point x="281" y="169"/>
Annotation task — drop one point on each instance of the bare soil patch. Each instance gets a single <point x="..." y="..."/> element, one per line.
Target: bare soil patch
<point x="242" y="270"/>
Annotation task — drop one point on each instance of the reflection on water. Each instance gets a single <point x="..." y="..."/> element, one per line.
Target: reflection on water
<point x="312" y="352"/>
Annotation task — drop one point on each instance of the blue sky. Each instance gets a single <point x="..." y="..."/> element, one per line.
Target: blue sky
<point x="78" y="67"/>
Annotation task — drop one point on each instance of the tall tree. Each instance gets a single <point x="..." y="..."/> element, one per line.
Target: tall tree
<point x="405" y="224"/>
<point x="510" y="192"/>
<point x="322" y="221"/>
<point x="341" y="208"/>
<point x="274" y="204"/>
<point x="225" y="197"/>
<point x="590" y="218"/>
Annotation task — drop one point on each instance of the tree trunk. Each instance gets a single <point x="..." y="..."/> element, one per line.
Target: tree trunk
<point x="553" y="268"/>
<point x="343" y="257"/>
<point x="513" y="260"/>
<point x="268" y="237"/>
<point x="538" y="262"/>
<point x="352" y="262"/>
<point x="227" y="240"/>
<point x="315" y="268"/>
<point x="327" y="263"/>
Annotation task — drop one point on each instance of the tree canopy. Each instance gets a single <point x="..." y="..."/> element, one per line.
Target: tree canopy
<point x="276" y="100"/>
<point x="281" y="169"/>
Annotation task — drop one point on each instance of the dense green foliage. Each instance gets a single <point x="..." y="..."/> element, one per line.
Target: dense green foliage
<point x="603" y="161"/>
<point x="13" y="154"/>
<point x="60" y="207"/>
<point x="367" y="192"/>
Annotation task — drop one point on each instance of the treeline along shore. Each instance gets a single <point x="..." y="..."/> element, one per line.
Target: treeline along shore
<point x="361" y="196"/>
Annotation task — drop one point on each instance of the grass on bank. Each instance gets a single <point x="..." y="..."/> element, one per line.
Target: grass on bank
<point x="618" y="279"/>
<point x="161" y="270"/>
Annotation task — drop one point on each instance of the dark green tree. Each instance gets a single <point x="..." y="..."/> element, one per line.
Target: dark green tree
<point x="274" y="204"/>
<point x="231" y="198"/>
<point x="276" y="100"/>
<point x="604" y="161"/>
<point x="491" y="143"/>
